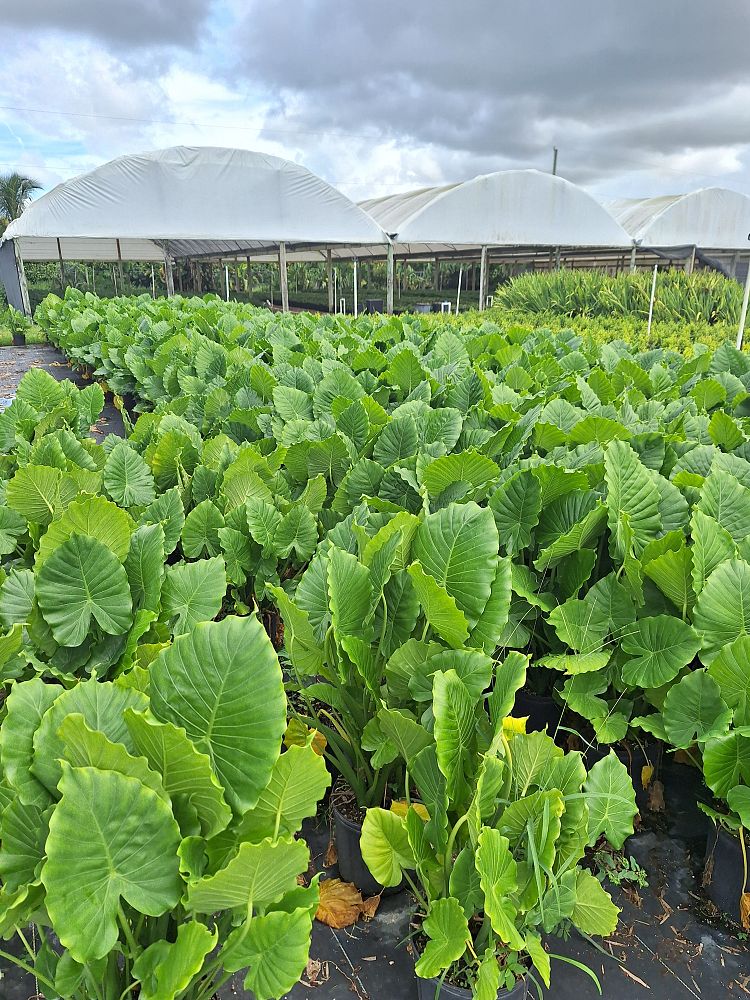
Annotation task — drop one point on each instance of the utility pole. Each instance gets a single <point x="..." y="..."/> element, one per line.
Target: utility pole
<point x="554" y="159"/>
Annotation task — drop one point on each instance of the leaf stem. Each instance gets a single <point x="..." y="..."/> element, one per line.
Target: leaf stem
<point x="127" y="931"/>
<point x="27" y="968"/>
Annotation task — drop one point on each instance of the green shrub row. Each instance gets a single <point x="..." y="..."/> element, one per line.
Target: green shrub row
<point x="700" y="297"/>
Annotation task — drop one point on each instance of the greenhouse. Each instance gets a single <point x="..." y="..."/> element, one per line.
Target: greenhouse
<point x="517" y="215"/>
<point x="185" y="202"/>
<point x="711" y="225"/>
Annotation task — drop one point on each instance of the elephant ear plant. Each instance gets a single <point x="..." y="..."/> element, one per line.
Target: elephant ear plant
<point x="495" y="836"/>
<point x="388" y="601"/>
<point x="148" y="825"/>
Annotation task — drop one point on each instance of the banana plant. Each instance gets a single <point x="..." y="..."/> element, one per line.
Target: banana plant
<point x="148" y="825"/>
<point x="491" y="833"/>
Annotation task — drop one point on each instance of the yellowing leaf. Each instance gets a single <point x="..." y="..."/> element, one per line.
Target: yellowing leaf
<point x="647" y="773"/>
<point x="512" y="725"/>
<point x="401" y="807"/>
<point x="299" y="735"/>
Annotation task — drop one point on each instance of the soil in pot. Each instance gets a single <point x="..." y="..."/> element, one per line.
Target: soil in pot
<point x="723" y="872"/>
<point x="348" y="819"/>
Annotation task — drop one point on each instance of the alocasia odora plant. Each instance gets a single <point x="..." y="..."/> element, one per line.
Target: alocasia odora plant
<point x="148" y="825"/>
<point x="497" y="835"/>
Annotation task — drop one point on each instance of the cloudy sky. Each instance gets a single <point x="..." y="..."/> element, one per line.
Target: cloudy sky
<point x="642" y="97"/>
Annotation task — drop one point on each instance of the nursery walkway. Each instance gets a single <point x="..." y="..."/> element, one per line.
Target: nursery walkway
<point x="16" y="361"/>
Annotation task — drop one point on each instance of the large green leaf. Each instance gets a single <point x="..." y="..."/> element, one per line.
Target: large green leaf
<point x="127" y="478"/>
<point x="631" y="491"/>
<point x="23" y="835"/>
<point x="455" y="727"/>
<point x="658" y="648"/>
<point x="738" y="799"/>
<point x="397" y="440"/>
<point x="579" y="536"/>
<point x="516" y="506"/>
<point x="350" y="594"/>
<point x="94" y="517"/>
<point x="300" y="642"/>
<point x="457" y="546"/>
<point x="25" y="707"/>
<point x="580" y="625"/>
<point x="17" y="597"/>
<point x="488" y="630"/>
<point x="144" y="566"/>
<point x="298" y="782"/>
<point x="694" y="710"/>
<point x="594" y="912"/>
<point x="297" y="533"/>
<point x="672" y="572"/>
<point x="81" y="580"/>
<point x="510" y="677"/>
<point x="87" y="747"/>
<point x="166" y="968"/>
<point x="439" y="607"/>
<point x="534" y="817"/>
<point x="193" y="592"/>
<point x="712" y="545"/>
<point x="469" y="467"/>
<point x="39" y="493"/>
<point x="726" y="762"/>
<point x="448" y="935"/>
<point x="498" y="878"/>
<point x="168" y="511"/>
<point x="722" y="611"/>
<point x="611" y="801"/>
<point x="102" y="705"/>
<point x="274" y="949"/>
<point x="12" y="526"/>
<point x="725" y="500"/>
<point x="731" y="671"/>
<point x="222" y="683"/>
<point x="385" y="846"/>
<point x="129" y="852"/>
<point x="257" y="876"/>
<point x="200" y="532"/>
<point x="185" y="772"/>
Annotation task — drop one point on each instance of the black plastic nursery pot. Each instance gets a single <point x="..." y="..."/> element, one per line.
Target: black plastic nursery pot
<point x="723" y="873"/>
<point x="352" y="867"/>
<point x="541" y="709"/>
<point x="430" y="989"/>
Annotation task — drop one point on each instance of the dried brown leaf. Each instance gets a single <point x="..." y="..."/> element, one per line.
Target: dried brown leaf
<point x="656" y="797"/>
<point x="745" y="910"/>
<point x="331" y="855"/>
<point x="370" y="907"/>
<point x="340" y="903"/>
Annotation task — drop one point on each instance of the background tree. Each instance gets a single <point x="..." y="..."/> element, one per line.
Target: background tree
<point x="15" y="192"/>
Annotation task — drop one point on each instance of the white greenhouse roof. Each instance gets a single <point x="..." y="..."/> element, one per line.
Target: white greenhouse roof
<point x="504" y="209"/>
<point x="199" y="200"/>
<point x="710" y="218"/>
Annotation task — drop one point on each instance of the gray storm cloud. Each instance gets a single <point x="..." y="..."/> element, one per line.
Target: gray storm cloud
<point x="626" y="90"/>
